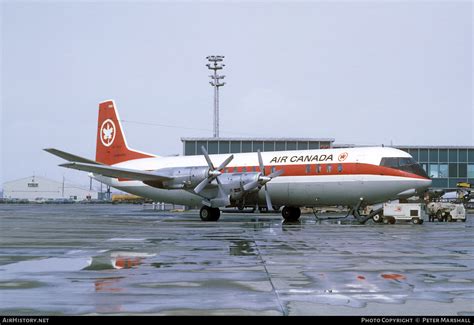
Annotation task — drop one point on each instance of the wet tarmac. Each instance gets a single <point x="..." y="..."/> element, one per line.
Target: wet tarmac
<point x="123" y="259"/>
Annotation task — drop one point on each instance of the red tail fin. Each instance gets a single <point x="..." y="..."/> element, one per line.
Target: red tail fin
<point x="111" y="145"/>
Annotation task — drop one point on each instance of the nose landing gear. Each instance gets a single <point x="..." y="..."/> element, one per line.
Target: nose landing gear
<point x="376" y="215"/>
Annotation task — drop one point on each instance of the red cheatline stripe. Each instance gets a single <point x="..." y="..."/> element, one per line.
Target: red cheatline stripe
<point x="335" y="169"/>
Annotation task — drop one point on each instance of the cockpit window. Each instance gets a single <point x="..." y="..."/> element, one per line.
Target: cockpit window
<point x="406" y="164"/>
<point x="395" y="162"/>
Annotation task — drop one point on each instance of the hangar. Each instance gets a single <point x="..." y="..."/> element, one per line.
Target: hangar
<point x="41" y="189"/>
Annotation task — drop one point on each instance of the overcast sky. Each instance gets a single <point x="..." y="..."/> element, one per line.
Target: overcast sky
<point x="361" y="72"/>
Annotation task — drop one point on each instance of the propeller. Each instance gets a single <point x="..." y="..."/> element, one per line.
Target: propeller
<point x="213" y="172"/>
<point x="262" y="180"/>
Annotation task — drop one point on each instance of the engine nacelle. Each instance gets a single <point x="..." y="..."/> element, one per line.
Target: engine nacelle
<point x="183" y="178"/>
<point x="234" y="183"/>
<point x="189" y="177"/>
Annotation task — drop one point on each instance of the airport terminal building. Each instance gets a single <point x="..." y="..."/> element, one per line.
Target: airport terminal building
<point x="446" y="165"/>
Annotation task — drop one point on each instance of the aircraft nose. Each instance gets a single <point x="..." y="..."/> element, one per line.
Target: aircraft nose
<point x="423" y="185"/>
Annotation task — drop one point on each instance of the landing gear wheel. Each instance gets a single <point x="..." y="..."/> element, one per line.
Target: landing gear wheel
<point x="216" y="214"/>
<point x="205" y="213"/>
<point x="286" y="213"/>
<point x="377" y="218"/>
<point x="291" y="213"/>
<point x="209" y="214"/>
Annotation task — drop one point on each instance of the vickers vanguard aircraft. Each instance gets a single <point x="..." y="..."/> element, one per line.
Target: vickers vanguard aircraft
<point x="292" y="179"/>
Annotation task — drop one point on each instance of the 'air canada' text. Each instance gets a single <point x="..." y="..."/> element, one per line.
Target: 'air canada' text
<point x="308" y="158"/>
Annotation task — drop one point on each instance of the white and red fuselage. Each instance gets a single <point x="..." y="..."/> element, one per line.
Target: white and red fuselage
<point x="309" y="178"/>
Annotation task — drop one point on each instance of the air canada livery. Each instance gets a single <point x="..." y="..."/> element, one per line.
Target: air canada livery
<point x="292" y="179"/>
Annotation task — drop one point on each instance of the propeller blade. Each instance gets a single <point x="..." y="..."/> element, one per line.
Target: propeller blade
<point x="267" y="198"/>
<point x="206" y="155"/>
<point x="226" y="162"/>
<point x="260" y="162"/>
<point x="276" y="174"/>
<point x="221" y="189"/>
<point x="251" y="185"/>
<point x="201" y="185"/>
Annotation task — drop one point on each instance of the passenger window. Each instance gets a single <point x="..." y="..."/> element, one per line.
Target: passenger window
<point x="244" y="169"/>
<point x="318" y="169"/>
<point x="308" y="169"/>
<point x="329" y="168"/>
<point x="254" y="169"/>
<point x="273" y="169"/>
<point x="339" y="168"/>
<point x="235" y="169"/>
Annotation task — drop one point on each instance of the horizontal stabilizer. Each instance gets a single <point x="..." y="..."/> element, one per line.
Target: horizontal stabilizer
<point x="70" y="157"/>
<point x="117" y="172"/>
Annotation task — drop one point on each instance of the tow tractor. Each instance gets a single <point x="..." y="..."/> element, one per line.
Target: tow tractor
<point x="393" y="212"/>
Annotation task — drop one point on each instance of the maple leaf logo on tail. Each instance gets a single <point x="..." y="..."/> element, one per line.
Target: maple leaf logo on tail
<point x="108" y="132"/>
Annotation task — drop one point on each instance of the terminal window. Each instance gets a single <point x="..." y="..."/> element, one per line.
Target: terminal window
<point x="462" y="170"/>
<point x="291" y="145"/>
<point x="453" y="170"/>
<point x="443" y="170"/>
<point x="235" y="146"/>
<point x="470" y="170"/>
<point x="433" y="171"/>
<point x="443" y="155"/>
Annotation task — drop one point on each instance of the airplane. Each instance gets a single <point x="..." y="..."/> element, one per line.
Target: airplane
<point x="292" y="179"/>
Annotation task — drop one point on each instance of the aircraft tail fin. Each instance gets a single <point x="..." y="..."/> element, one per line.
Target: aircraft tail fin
<point x="111" y="147"/>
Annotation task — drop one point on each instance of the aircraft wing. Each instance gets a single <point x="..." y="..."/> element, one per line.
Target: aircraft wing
<point x="117" y="172"/>
<point x="70" y="156"/>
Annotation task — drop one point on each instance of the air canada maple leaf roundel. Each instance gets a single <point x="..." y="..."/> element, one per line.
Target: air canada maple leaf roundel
<point x="107" y="132"/>
<point x="343" y="156"/>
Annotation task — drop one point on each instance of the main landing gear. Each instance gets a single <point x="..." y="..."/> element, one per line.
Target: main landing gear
<point x="291" y="213"/>
<point x="209" y="214"/>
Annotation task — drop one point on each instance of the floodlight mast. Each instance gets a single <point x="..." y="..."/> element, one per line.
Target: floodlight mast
<point x="215" y="64"/>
